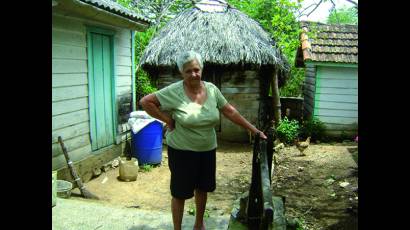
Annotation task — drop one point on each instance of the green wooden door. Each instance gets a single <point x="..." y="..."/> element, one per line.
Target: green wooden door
<point x="101" y="90"/>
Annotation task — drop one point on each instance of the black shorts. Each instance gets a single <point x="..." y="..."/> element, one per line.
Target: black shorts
<point x="191" y="170"/>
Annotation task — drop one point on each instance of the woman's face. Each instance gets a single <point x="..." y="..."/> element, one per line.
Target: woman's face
<point x="192" y="72"/>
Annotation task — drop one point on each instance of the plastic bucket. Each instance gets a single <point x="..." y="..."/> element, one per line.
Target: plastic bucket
<point x="64" y="188"/>
<point x="147" y="144"/>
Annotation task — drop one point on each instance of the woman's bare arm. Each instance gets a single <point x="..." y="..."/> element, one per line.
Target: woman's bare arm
<point x="232" y="114"/>
<point x="150" y="104"/>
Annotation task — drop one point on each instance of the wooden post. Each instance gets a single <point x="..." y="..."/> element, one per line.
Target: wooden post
<point x="255" y="200"/>
<point x="276" y="98"/>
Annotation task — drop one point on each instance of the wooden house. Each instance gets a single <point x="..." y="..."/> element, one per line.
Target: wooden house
<point x="330" y="56"/>
<point x="239" y="57"/>
<point x="92" y="80"/>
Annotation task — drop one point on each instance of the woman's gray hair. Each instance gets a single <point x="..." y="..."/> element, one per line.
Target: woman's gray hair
<point x="188" y="56"/>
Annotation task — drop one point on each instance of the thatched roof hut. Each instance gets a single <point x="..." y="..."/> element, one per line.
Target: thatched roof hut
<point x="239" y="56"/>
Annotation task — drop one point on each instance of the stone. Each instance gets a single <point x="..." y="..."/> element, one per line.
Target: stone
<point x="97" y="171"/>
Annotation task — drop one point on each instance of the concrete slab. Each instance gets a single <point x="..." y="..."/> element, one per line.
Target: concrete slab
<point x="90" y="215"/>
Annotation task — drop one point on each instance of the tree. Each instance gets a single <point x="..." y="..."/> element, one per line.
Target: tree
<point x="159" y="11"/>
<point x="346" y="15"/>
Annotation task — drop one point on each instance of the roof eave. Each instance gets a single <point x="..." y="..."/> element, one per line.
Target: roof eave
<point x="91" y="12"/>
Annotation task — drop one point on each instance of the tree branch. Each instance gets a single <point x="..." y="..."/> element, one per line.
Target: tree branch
<point x="334" y="8"/>
<point x="300" y="12"/>
<point x="354" y="3"/>
<point x="317" y="5"/>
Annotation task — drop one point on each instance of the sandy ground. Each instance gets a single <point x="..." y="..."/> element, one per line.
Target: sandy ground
<point x="310" y="184"/>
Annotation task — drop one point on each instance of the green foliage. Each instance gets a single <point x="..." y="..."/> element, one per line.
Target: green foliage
<point x="287" y="130"/>
<point x="144" y="84"/>
<point x="278" y="18"/>
<point x="301" y="223"/>
<point x="294" y="85"/>
<point x="314" y="128"/>
<point x="146" y="167"/>
<point x="345" y="15"/>
<point x="192" y="211"/>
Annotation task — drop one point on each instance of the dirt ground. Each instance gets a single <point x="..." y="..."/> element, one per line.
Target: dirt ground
<point x="310" y="184"/>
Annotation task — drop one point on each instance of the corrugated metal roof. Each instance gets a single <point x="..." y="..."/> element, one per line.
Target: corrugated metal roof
<point x="331" y="43"/>
<point x="116" y="8"/>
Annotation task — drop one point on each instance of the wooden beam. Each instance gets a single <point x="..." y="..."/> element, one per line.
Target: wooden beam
<point x="275" y="98"/>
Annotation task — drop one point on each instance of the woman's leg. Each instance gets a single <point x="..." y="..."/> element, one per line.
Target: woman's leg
<point x="177" y="207"/>
<point x="200" y="202"/>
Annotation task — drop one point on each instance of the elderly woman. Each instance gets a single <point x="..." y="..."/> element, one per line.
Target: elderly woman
<point x="190" y="108"/>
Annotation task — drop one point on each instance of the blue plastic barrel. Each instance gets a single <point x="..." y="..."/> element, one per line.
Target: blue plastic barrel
<point x="147" y="144"/>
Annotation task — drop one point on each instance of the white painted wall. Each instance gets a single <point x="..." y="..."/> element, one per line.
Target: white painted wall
<point x="336" y="97"/>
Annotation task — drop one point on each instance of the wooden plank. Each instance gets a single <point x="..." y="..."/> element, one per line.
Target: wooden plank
<point x="339" y="83"/>
<point x="338" y="73"/>
<point x="121" y="51"/>
<point x="123" y="70"/>
<point x="337" y="105"/>
<point x="308" y="107"/>
<point x="68" y="38"/>
<point x="69" y="66"/>
<point x="123" y="61"/>
<point x="60" y="162"/>
<point x="310" y="71"/>
<point x="70" y="105"/>
<point x="309" y="80"/>
<point x="122" y="42"/>
<point x="338" y="120"/>
<point x="336" y="98"/>
<point x="67" y="119"/>
<point x="309" y="87"/>
<point x="245" y="104"/>
<point x="241" y="83"/>
<point x="240" y="90"/>
<point x="69" y="92"/>
<point x="309" y="94"/>
<point x="108" y="91"/>
<point x="123" y="80"/>
<point x="337" y="91"/>
<point x="122" y="33"/>
<point x="73" y="143"/>
<point x="98" y="122"/>
<point x="69" y="79"/>
<point x="336" y="112"/>
<point x="238" y="76"/>
<point x="71" y="131"/>
<point x="242" y="96"/>
<point x="123" y="90"/>
<point x="68" y="52"/>
<point x="62" y="23"/>
<point x="334" y="127"/>
<point x="87" y="162"/>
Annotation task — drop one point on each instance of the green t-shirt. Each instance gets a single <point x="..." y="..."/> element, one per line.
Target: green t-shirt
<point x="194" y="123"/>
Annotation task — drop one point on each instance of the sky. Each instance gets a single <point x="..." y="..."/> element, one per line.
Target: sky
<point x="322" y="11"/>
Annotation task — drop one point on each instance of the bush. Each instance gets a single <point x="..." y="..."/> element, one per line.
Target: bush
<point x="144" y="86"/>
<point x="294" y="85"/>
<point x="313" y="128"/>
<point x="288" y="131"/>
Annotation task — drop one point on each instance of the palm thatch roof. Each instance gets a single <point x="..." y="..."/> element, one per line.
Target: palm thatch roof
<point x="220" y="33"/>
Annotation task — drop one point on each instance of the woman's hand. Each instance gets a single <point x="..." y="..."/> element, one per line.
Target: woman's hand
<point x="262" y="135"/>
<point x="171" y="124"/>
